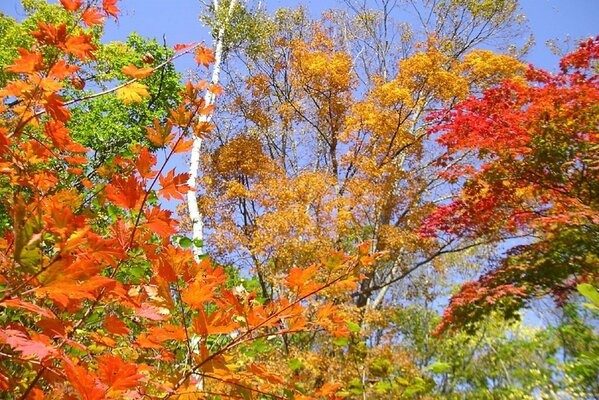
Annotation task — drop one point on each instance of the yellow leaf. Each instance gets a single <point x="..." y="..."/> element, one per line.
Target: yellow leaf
<point x="133" y="93"/>
<point x="137" y="73"/>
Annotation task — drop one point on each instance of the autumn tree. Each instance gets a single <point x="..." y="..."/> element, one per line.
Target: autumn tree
<point x="326" y="146"/>
<point x="535" y="141"/>
<point x="99" y="299"/>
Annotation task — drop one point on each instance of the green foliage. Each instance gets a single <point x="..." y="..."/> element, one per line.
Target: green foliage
<point x="103" y="123"/>
<point x="122" y="125"/>
<point x="246" y="27"/>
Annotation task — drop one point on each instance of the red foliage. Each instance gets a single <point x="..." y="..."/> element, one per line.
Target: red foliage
<point x="535" y="173"/>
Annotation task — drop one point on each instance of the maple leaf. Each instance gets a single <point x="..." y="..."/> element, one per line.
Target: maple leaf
<point x="58" y="133"/>
<point x="116" y="374"/>
<point x="160" y="334"/>
<point x="198" y="294"/>
<point x="54" y="105"/>
<point x="160" y="222"/>
<point x="70" y="293"/>
<point x="216" y="323"/>
<point x="92" y="16"/>
<point x="151" y="312"/>
<point x="201" y="129"/>
<point x="83" y="381"/>
<point x="26" y="346"/>
<point x="61" y="70"/>
<point x="183" y="46"/>
<point x="160" y="134"/>
<point x="27" y="63"/>
<point x="127" y="193"/>
<point x="173" y="186"/>
<point x="144" y="164"/>
<point x="216" y="89"/>
<point x="18" y="303"/>
<point x="181" y="146"/>
<point x="204" y="56"/>
<point x="115" y="326"/>
<point x="300" y="280"/>
<point x="110" y="8"/>
<point x="137" y="73"/>
<point x="133" y="93"/>
<point x="204" y="286"/>
<point x="80" y="46"/>
<point x="49" y="34"/>
<point x="71" y="5"/>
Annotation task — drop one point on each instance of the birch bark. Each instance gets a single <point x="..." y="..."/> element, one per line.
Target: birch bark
<point x="194" y="163"/>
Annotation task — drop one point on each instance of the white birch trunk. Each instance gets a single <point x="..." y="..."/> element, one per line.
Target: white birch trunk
<point x="194" y="163"/>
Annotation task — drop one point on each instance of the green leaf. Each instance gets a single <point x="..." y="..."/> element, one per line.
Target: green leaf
<point x="589" y="292"/>
<point x="439" y="367"/>
<point x="185" y="242"/>
<point x="342" y="341"/>
<point x="382" y="387"/>
<point x="295" y="364"/>
<point x="353" y="327"/>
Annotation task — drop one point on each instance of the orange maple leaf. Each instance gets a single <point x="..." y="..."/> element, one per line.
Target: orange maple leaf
<point x="18" y="303"/>
<point x="27" y="63"/>
<point x="80" y="46"/>
<point x="110" y="8"/>
<point x="49" y="34"/>
<point x="62" y="70"/>
<point x="71" y="5"/>
<point x="204" y="56"/>
<point x="92" y="16"/>
<point x="181" y="146"/>
<point x="160" y="134"/>
<point x="173" y="186"/>
<point x="115" y="326"/>
<point x="83" y="381"/>
<point x="183" y="46"/>
<point x="137" y="73"/>
<point x="117" y="374"/>
<point x="144" y="164"/>
<point x="301" y="280"/>
<point x="126" y="193"/>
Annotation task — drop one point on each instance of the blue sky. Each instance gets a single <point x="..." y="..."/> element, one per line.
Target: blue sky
<point x="178" y="20"/>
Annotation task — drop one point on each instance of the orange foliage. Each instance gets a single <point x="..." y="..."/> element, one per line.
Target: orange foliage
<point x="100" y="302"/>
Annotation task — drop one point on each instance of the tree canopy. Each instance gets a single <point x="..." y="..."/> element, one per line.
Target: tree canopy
<point x="370" y="207"/>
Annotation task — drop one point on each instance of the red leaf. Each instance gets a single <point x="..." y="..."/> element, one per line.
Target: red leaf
<point x="50" y="34"/>
<point x="61" y="70"/>
<point x="17" y="303"/>
<point x="115" y="326"/>
<point x="71" y="5"/>
<point x="84" y="381"/>
<point x="92" y="16"/>
<point x="80" y="46"/>
<point x="299" y="279"/>
<point x="26" y="346"/>
<point x="173" y="186"/>
<point x="110" y="8"/>
<point x="28" y="63"/>
<point x="144" y="164"/>
<point x="160" y="222"/>
<point x="183" y="46"/>
<point x="127" y="193"/>
<point x="117" y="374"/>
